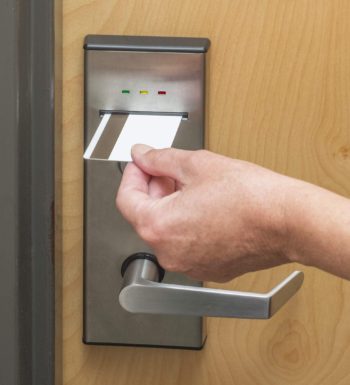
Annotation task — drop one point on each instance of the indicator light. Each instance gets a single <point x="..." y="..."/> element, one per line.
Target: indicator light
<point x="143" y="92"/>
<point x="125" y="91"/>
<point x="161" y="92"/>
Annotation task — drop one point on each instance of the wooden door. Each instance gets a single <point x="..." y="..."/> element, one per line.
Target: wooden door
<point x="279" y="96"/>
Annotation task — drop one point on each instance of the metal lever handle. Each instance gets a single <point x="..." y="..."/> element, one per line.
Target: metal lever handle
<point x="142" y="292"/>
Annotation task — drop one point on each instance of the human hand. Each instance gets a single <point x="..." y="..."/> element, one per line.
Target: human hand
<point x="205" y="215"/>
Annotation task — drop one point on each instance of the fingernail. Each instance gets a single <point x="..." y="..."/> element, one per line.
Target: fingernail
<point x="140" y="149"/>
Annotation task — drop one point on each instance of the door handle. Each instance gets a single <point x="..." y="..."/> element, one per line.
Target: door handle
<point x="143" y="292"/>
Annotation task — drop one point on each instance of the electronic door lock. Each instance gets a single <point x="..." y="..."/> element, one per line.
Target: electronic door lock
<point x="125" y="77"/>
<point x="143" y="292"/>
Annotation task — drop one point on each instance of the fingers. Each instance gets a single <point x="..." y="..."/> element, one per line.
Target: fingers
<point x="169" y="162"/>
<point x="133" y="197"/>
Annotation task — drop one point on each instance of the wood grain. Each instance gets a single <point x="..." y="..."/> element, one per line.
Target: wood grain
<point x="280" y="97"/>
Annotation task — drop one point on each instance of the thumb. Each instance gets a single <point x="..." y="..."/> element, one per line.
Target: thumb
<point x="168" y="162"/>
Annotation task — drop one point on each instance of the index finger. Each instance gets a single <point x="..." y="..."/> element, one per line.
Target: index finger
<point x="133" y="194"/>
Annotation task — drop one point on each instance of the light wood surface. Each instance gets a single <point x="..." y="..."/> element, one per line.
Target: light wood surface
<point x="279" y="96"/>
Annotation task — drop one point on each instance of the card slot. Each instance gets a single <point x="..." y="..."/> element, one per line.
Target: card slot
<point x="184" y="115"/>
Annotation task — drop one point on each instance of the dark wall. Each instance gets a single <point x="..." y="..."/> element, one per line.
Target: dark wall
<point x="26" y="192"/>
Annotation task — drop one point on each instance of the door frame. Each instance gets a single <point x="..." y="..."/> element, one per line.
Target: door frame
<point x="27" y="327"/>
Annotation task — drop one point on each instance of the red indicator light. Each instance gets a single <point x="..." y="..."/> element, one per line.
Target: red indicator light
<point x="161" y="92"/>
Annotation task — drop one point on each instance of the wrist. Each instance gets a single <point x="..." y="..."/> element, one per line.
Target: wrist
<point x="296" y="213"/>
<point x="318" y="223"/>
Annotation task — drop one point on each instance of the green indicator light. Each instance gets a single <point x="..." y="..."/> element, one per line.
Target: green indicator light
<point x="125" y="91"/>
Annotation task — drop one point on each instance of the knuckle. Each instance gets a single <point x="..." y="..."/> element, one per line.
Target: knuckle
<point x="150" y="229"/>
<point x="146" y="233"/>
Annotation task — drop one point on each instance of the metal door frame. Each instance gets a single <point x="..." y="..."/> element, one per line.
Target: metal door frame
<point x="27" y="192"/>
